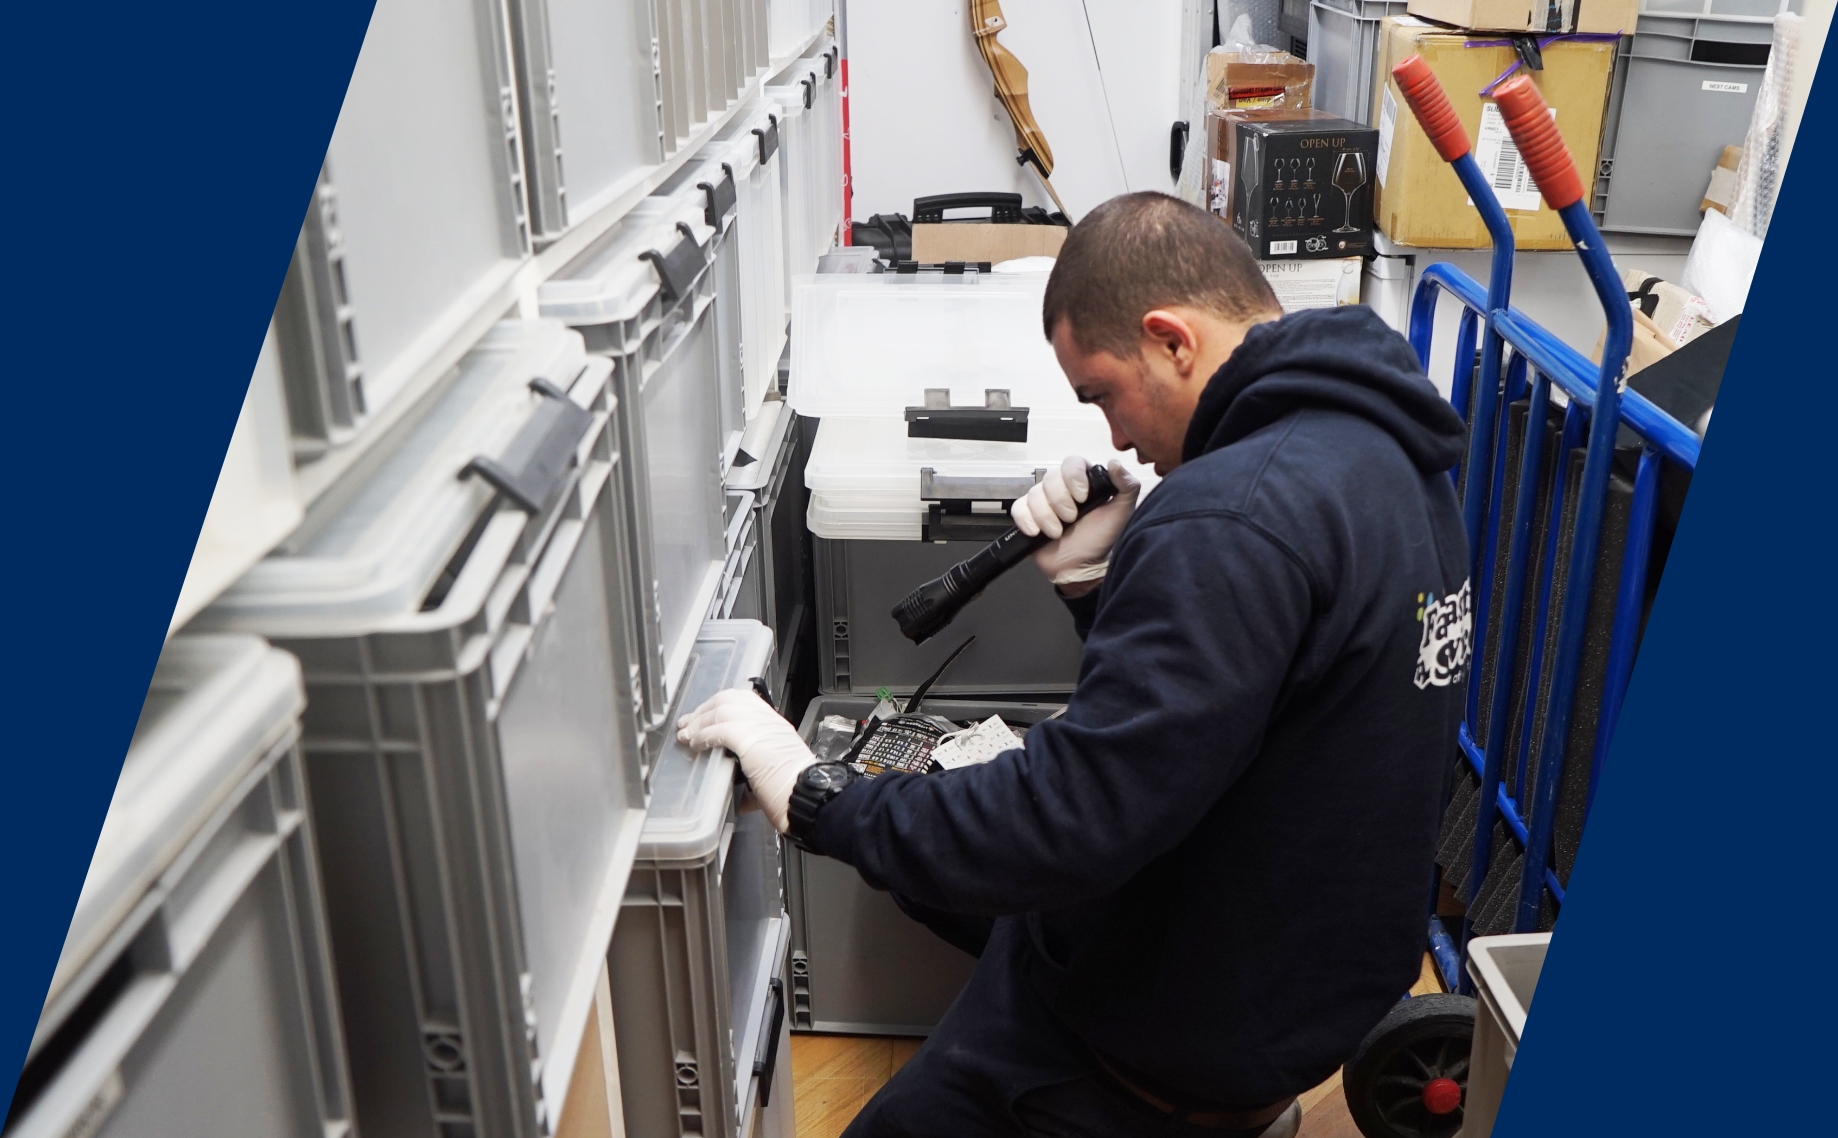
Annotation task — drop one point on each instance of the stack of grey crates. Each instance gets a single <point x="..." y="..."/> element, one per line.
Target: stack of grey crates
<point x="365" y="880"/>
<point x="195" y="992"/>
<point x="464" y="618"/>
<point x="1685" y="86"/>
<point x="884" y="362"/>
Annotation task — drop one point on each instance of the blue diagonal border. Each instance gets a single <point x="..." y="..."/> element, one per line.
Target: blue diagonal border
<point x="1688" y="989"/>
<point x="160" y="159"/>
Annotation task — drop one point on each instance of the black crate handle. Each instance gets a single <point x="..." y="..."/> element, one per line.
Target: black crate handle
<point x="533" y="467"/>
<point x="721" y="197"/>
<point x="768" y="139"/>
<point x="677" y="270"/>
<point x="765" y="1065"/>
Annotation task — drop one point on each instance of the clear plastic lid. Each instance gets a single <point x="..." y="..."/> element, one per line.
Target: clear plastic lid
<point x="216" y="705"/>
<point x="371" y="554"/>
<point x="872" y="345"/>
<point x="690" y="791"/>
<point x="865" y="474"/>
<point x="612" y="280"/>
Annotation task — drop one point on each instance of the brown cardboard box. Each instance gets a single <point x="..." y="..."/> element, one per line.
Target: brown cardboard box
<point x="1532" y="15"/>
<point x="1243" y="80"/>
<point x="983" y="241"/>
<point x="1420" y="201"/>
<point x="1721" y="193"/>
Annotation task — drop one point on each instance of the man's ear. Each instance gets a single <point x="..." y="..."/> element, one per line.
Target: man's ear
<point x="1172" y="337"/>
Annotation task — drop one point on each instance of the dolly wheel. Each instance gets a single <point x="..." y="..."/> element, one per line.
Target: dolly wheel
<point x="1409" y="1075"/>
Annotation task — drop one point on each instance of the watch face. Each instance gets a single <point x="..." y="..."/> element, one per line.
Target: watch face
<point x="826" y="776"/>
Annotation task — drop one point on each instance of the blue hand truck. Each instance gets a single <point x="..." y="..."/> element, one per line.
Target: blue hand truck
<point x="1560" y="527"/>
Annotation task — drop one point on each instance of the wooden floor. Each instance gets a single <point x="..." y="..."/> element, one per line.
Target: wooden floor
<point x="834" y="1076"/>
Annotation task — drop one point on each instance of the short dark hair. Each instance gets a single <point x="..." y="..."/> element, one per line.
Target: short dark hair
<point x="1143" y="251"/>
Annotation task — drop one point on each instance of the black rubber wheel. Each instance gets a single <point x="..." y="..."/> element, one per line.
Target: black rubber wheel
<point x="1409" y="1076"/>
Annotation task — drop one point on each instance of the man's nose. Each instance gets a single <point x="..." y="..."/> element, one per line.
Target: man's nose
<point x="1119" y="438"/>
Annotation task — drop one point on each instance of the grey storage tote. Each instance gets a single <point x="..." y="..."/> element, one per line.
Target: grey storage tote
<point x="416" y="228"/>
<point x="748" y="152"/>
<point x="710" y="188"/>
<point x="462" y="617"/>
<point x="702" y="934"/>
<point x="859" y="964"/>
<point x="777" y="577"/>
<point x="1505" y="972"/>
<point x="1343" y="41"/>
<point x="195" y="993"/>
<point x="1024" y="636"/>
<point x="1685" y="87"/>
<point x="644" y="297"/>
<point x="588" y="96"/>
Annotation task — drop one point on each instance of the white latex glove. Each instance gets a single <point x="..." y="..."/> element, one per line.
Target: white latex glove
<point x="1081" y="552"/>
<point x="771" y="752"/>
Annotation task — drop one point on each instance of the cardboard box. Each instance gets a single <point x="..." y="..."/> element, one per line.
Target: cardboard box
<point x="984" y="241"/>
<point x="1314" y="284"/>
<point x="1721" y="193"/>
<point x="1222" y="146"/>
<point x="1247" y="80"/>
<point x="1532" y="15"/>
<point x="1302" y="187"/>
<point x="1420" y="200"/>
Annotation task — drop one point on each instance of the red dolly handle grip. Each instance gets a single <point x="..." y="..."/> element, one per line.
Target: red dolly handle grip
<point x="1534" y="132"/>
<point x="1423" y="91"/>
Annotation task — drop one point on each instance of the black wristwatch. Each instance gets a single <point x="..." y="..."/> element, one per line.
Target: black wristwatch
<point x="818" y="783"/>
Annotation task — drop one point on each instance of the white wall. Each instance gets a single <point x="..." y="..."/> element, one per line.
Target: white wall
<point x="1104" y="81"/>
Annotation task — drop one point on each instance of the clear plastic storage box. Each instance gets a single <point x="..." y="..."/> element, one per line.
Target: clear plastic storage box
<point x="462" y="610"/>
<point x="889" y="511"/>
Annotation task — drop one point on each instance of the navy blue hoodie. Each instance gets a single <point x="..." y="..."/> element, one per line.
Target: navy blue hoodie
<point x="1222" y="851"/>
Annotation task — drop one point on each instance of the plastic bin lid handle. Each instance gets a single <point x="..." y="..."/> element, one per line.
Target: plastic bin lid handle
<point x="1534" y="132"/>
<point x="534" y="466"/>
<point x="1423" y="91"/>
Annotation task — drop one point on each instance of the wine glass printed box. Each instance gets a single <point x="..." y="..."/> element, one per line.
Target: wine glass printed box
<point x="1303" y="187"/>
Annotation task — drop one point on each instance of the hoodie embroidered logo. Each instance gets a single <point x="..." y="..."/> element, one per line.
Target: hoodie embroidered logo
<point x="1448" y="638"/>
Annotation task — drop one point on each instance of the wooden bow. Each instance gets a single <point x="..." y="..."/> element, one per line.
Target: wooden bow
<point x="986" y="21"/>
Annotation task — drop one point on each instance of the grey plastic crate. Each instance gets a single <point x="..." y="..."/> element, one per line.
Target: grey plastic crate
<point x="742" y="595"/>
<point x="1024" y="636"/>
<point x="418" y="222"/>
<point x="709" y="187"/>
<point x="642" y="296"/>
<point x="702" y="933"/>
<point x="844" y="934"/>
<point x="588" y="97"/>
<point x="780" y="568"/>
<point x="1505" y="971"/>
<point x="1343" y="43"/>
<point x="708" y="51"/>
<point x="1685" y="87"/>
<point x="471" y="742"/>
<point x="195" y="993"/>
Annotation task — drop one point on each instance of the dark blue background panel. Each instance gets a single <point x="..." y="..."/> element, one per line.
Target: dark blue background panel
<point x="1688" y="989"/>
<point x="160" y="159"/>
